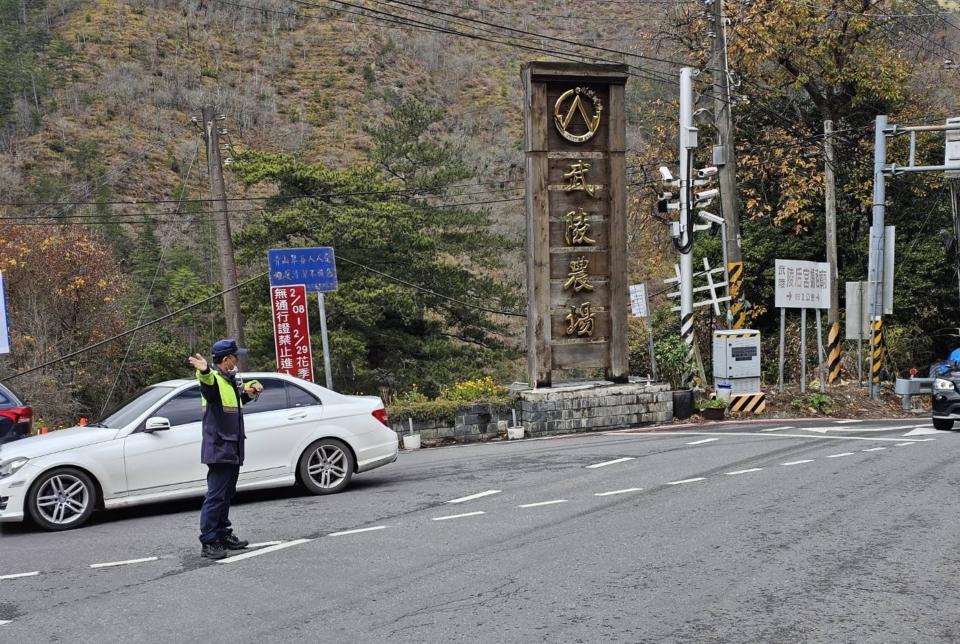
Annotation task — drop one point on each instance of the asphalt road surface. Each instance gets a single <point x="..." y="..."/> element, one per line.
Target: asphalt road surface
<point x="758" y="532"/>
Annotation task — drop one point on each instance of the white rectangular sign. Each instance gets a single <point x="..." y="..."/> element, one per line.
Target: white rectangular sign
<point x="638" y="300"/>
<point x="4" y="331"/>
<point x="857" y="311"/>
<point x="802" y="285"/>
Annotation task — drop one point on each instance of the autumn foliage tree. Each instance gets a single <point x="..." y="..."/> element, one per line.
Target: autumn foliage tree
<point x="64" y="292"/>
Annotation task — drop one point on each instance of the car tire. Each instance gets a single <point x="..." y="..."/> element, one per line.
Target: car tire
<point x="326" y="467"/>
<point x="943" y="424"/>
<point x="62" y="499"/>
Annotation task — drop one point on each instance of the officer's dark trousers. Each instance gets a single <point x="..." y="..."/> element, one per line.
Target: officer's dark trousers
<point x="214" y="515"/>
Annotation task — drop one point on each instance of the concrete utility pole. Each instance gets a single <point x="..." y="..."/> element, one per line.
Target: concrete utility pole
<point x="875" y="266"/>
<point x="684" y="240"/>
<point x="725" y="158"/>
<point x="218" y="201"/>
<point x="830" y="206"/>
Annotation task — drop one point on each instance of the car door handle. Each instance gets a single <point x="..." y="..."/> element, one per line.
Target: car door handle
<point x="297" y="416"/>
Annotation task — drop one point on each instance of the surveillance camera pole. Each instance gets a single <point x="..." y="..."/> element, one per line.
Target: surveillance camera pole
<point x="688" y="136"/>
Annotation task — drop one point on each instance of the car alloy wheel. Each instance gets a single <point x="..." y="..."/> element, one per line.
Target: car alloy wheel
<point x="62" y="499"/>
<point x="326" y="466"/>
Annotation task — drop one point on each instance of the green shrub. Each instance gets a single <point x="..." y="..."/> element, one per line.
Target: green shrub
<point x="820" y="402"/>
<point x="672" y="360"/>
<point x="478" y="390"/>
<point x="711" y="403"/>
<point x="415" y="404"/>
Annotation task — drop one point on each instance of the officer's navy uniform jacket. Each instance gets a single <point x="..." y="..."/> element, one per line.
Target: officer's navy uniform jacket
<point x="223" y="434"/>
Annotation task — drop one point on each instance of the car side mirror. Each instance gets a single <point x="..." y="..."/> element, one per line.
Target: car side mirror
<point x="156" y="424"/>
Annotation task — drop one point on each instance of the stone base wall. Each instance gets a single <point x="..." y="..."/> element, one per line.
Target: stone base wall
<point x="475" y="423"/>
<point x="567" y="409"/>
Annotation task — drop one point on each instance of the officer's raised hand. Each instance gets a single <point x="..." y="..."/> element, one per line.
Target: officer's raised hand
<point x="198" y="362"/>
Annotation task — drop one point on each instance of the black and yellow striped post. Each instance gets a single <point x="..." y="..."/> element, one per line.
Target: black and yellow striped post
<point x="876" y="346"/>
<point x="833" y="354"/>
<point x="735" y="280"/>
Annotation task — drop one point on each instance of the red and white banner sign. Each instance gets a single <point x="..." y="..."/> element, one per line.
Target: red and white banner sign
<point x="291" y="331"/>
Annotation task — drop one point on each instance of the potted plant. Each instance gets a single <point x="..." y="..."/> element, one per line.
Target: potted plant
<point x="712" y="408"/>
<point x="672" y="363"/>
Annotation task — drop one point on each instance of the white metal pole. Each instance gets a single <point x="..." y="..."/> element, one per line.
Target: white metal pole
<point x="783" y="329"/>
<point x="822" y="376"/>
<point x="323" y="338"/>
<point x="803" y="350"/>
<point x="686" y="232"/>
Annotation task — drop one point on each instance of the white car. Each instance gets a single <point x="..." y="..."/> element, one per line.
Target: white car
<point x="149" y="450"/>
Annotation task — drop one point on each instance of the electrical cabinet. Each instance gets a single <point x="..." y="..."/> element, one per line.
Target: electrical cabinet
<point x="736" y="360"/>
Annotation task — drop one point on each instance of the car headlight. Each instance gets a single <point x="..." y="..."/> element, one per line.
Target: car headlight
<point x="12" y="466"/>
<point x="940" y="384"/>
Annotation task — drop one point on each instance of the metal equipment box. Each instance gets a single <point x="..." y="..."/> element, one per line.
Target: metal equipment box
<point x="736" y="360"/>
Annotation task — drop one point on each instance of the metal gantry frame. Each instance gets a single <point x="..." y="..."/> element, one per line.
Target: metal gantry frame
<point x="881" y="169"/>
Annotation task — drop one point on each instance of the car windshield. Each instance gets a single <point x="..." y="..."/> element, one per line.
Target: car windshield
<point x="130" y="410"/>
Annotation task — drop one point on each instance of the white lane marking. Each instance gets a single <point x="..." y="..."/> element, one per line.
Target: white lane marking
<point x="624" y="491"/>
<point x="110" y="564"/>
<point x="705" y="440"/>
<point x="458" y="516"/>
<point x="755" y="435"/>
<point x="21" y="574"/>
<point x="4" y="621"/>
<point x="923" y="430"/>
<point x="537" y="505"/>
<point x="474" y="496"/>
<point x="874" y="449"/>
<point x="700" y="478"/>
<point x="777" y="429"/>
<point x="264" y="543"/>
<point x="263" y="551"/>
<point x="904" y="444"/>
<point x="808" y="460"/>
<point x="848" y="421"/>
<point x="900" y="427"/>
<point x="923" y="440"/>
<point x="839" y="455"/>
<point x="356" y="531"/>
<point x="614" y="461"/>
<point x="752" y="469"/>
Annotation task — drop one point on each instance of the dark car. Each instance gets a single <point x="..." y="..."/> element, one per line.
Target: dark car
<point x="946" y="400"/>
<point x="16" y="418"/>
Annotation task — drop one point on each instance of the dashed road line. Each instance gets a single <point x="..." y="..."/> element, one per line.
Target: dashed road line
<point x="699" y="478"/>
<point x="20" y="575"/>
<point x="806" y="460"/>
<point x="904" y="444"/>
<point x="478" y="495"/>
<point x="458" y="516"/>
<point x="874" y="449"/>
<point x="624" y="491"/>
<point x="840" y="454"/>
<point x="752" y="469"/>
<point x="263" y="551"/>
<point x="613" y="462"/>
<point x="705" y="440"/>
<point x="777" y="429"/>
<point x="542" y="503"/>
<point x="848" y="421"/>
<point x="111" y="564"/>
<point x="263" y="544"/>
<point x="4" y="621"/>
<point x="356" y="531"/>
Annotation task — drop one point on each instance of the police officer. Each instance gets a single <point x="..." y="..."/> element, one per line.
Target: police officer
<point x="222" y="448"/>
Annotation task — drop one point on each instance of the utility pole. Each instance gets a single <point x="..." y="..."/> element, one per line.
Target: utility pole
<point x="684" y="237"/>
<point x="218" y="200"/>
<point x="725" y="159"/>
<point x="875" y="266"/>
<point x="830" y="206"/>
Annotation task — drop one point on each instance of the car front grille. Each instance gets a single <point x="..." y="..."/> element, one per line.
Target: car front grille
<point x="3" y="502"/>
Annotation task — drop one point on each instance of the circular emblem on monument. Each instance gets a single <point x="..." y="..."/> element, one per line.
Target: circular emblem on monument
<point x="577" y="114"/>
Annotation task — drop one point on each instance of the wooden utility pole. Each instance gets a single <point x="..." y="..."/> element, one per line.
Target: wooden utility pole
<point x="726" y="160"/>
<point x="830" y="205"/>
<point x="218" y="202"/>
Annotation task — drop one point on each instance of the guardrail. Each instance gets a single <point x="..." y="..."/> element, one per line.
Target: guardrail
<point x="907" y="387"/>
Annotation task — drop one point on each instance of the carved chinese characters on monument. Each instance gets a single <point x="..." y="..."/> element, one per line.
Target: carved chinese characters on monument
<point x="580" y="320"/>
<point x="577" y="228"/>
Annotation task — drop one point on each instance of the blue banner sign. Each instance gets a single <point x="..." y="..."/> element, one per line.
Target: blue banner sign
<point x="315" y="268"/>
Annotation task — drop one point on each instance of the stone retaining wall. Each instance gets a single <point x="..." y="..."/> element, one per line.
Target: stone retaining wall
<point x="475" y="423"/>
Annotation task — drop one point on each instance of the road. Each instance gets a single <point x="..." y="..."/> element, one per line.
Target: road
<point x="759" y="532"/>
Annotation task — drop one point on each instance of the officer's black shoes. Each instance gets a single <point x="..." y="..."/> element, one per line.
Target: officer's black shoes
<point x="215" y="550"/>
<point x="232" y="542"/>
